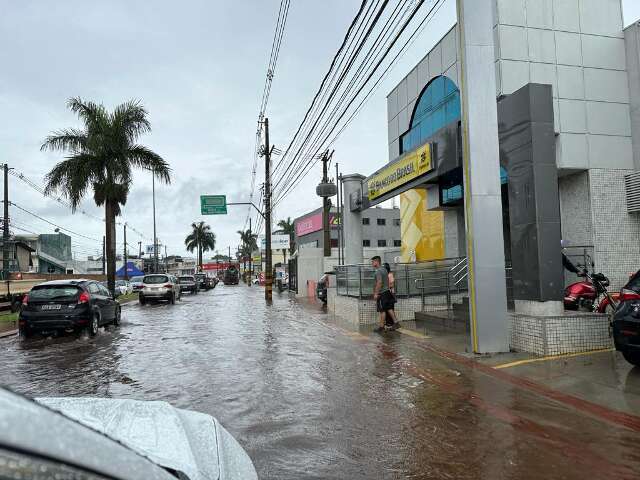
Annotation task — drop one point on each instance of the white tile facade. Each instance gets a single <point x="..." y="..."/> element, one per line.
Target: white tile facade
<point x="577" y="47"/>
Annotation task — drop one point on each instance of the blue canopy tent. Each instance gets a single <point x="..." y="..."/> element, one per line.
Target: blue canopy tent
<point x="132" y="271"/>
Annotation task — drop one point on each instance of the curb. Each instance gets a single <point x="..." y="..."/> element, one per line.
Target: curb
<point x="9" y="333"/>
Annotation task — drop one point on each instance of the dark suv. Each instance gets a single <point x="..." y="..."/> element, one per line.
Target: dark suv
<point x="67" y="305"/>
<point x="626" y="321"/>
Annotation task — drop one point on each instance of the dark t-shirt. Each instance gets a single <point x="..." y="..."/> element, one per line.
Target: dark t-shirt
<point x="383" y="277"/>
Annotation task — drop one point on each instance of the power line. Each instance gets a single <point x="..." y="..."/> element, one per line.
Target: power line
<point x="321" y="140"/>
<point x="278" y="35"/>
<point x="38" y="188"/>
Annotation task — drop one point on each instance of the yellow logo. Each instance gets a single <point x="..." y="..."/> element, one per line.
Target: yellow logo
<point x="414" y="165"/>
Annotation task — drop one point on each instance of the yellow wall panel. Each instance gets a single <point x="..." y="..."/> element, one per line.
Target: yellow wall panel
<point x="421" y="231"/>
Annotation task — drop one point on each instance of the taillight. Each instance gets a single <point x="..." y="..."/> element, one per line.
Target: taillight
<point x="84" y="298"/>
<point x="626" y="295"/>
<point x="168" y="285"/>
<point x="25" y="299"/>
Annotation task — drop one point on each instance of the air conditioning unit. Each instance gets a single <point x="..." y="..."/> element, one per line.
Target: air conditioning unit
<point x="632" y="187"/>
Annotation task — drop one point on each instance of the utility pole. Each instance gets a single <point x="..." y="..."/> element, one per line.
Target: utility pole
<point x="250" y="254"/>
<point x="338" y="217"/>
<point x="229" y="253"/>
<point x="326" y="241"/>
<point x="268" y="280"/>
<point x="166" y="260"/>
<point x="139" y="250"/>
<point x="5" y="226"/>
<point x="126" y="275"/>
<point x="104" y="252"/>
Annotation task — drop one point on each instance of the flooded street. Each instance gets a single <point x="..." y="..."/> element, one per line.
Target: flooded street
<point x="308" y="398"/>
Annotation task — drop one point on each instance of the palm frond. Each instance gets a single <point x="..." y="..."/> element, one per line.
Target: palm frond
<point x="142" y="157"/>
<point x="71" y="139"/>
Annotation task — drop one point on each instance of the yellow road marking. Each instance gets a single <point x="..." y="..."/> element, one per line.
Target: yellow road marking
<point x="411" y="333"/>
<point x="552" y="357"/>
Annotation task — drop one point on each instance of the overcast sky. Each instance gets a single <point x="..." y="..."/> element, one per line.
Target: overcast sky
<point x="198" y="66"/>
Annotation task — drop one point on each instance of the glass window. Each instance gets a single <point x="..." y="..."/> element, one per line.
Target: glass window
<point x="382" y="243"/>
<point x="397" y="243"/>
<point x="50" y="292"/>
<point x="396" y="222"/>
<point x="93" y="288"/>
<point x="382" y="221"/>
<point x="153" y="279"/>
<point x="104" y="290"/>
<point x="365" y="221"/>
<point x="438" y="106"/>
<point x="366" y="243"/>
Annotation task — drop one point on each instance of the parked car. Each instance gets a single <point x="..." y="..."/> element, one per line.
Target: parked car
<point x="67" y="305"/>
<point x="136" y="283"/>
<point x="626" y="321"/>
<point x="99" y="438"/>
<point x="124" y="287"/>
<point x="189" y="284"/>
<point x="204" y="281"/>
<point x="159" y="286"/>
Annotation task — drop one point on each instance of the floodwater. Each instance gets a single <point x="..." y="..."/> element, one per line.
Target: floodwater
<point x="308" y="398"/>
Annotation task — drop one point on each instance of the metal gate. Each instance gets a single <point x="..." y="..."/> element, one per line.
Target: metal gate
<point x="293" y="275"/>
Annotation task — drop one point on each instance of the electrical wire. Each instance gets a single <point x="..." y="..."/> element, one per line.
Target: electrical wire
<point x="321" y="141"/>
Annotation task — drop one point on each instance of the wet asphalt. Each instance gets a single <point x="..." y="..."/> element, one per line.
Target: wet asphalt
<point x="309" y="398"/>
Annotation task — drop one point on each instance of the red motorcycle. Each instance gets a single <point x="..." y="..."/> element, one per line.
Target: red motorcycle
<point x="590" y="294"/>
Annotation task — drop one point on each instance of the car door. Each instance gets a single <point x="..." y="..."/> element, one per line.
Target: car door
<point x="97" y="298"/>
<point x="109" y="304"/>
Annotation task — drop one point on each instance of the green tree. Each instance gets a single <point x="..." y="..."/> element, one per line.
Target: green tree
<point x="288" y="228"/>
<point x="201" y="239"/>
<point x="100" y="157"/>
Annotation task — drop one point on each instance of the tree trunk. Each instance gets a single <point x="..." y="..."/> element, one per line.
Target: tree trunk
<point x="284" y="255"/>
<point x="110" y="245"/>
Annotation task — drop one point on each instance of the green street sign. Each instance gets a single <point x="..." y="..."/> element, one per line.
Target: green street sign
<point x="213" y="204"/>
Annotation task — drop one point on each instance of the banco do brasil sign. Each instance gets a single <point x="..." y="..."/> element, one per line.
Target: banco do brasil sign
<point x="409" y="168"/>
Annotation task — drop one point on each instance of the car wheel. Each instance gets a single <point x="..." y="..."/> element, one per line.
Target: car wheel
<point x="94" y="325"/>
<point x="142" y="300"/>
<point x="118" y="316"/>
<point x="632" y="357"/>
<point x="24" y="332"/>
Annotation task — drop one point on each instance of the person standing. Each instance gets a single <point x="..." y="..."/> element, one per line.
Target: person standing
<point x="382" y="294"/>
<point x="392" y="288"/>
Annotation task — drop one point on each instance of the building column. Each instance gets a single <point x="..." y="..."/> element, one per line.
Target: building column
<point x="352" y="218"/>
<point x="482" y="196"/>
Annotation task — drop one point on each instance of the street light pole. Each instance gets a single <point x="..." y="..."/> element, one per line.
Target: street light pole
<point x="155" y="236"/>
<point x="126" y="275"/>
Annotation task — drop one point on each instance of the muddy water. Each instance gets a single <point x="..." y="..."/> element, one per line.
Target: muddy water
<point x="309" y="399"/>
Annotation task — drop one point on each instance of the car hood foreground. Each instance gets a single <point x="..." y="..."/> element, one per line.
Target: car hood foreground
<point x="189" y="442"/>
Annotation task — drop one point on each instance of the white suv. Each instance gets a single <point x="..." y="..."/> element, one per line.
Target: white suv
<point x="159" y="286"/>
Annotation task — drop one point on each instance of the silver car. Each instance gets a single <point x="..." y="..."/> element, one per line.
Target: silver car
<point x="99" y="439"/>
<point x="159" y="286"/>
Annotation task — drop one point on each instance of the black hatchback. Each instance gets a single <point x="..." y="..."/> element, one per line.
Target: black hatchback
<point x="67" y="305"/>
<point x="626" y="321"/>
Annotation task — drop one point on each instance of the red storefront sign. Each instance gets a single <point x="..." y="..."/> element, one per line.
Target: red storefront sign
<point x="313" y="223"/>
<point x="218" y="266"/>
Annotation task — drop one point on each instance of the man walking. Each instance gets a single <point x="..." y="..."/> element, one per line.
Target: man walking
<point x="382" y="295"/>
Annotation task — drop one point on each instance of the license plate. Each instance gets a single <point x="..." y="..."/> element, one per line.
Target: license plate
<point x="155" y="288"/>
<point x="51" y="307"/>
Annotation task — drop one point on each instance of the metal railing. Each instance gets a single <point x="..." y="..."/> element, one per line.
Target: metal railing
<point x="436" y="282"/>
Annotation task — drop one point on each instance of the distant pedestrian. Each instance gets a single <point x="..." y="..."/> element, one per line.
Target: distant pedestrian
<point x="392" y="288"/>
<point x="382" y="294"/>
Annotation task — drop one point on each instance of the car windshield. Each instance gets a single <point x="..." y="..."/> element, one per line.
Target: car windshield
<point x="153" y="279"/>
<point x="53" y="292"/>
<point x="121" y="283"/>
<point x="185" y="279"/>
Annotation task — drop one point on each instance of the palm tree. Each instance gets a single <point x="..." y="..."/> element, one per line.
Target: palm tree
<point x="249" y="244"/>
<point x="101" y="156"/>
<point x="288" y="228"/>
<point x="201" y="239"/>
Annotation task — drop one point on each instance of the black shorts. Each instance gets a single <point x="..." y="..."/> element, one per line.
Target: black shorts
<point x="385" y="302"/>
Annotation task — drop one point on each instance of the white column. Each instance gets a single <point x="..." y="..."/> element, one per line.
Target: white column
<point x="352" y="221"/>
<point x="483" y="201"/>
